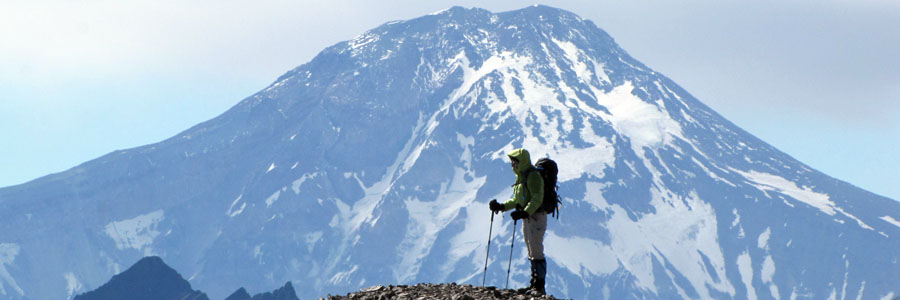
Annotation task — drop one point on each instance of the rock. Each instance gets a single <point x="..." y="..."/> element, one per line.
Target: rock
<point x="450" y="291"/>
<point x="373" y="289"/>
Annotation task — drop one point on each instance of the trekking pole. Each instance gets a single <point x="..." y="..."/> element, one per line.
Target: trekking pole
<point x="488" y="250"/>
<point x="511" y="244"/>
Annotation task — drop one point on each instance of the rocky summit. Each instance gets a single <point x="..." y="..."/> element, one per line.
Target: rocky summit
<point x="437" y="291"/>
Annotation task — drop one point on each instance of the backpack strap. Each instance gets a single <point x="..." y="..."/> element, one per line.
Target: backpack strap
<point x="525" y="181"/>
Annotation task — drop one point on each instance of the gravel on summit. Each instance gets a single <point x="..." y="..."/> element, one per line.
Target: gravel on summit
<point x="451" y="291"/>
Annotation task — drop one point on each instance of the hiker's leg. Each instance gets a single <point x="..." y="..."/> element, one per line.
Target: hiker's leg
<point x="527" y="232"/>
<point x="536" y="226"/>
<point x="539" y="262"/>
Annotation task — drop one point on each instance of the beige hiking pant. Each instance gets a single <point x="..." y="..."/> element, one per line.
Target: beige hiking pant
<point x="534" y="229"/>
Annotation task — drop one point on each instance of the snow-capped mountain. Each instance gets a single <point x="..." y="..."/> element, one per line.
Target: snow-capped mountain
<point x="374" y="163"/>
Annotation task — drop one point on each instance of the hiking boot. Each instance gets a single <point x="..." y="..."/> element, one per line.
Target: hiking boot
<point x="526" y="289"/>
<point x="539" y="272"/>
<point x="532" y="283"/>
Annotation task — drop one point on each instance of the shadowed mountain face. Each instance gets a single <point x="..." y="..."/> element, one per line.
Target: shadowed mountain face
<point x="284" y="293"/>
<point x="374" y="162"/>
<point x="240" y="294"/>
<point x="149" y="279"/>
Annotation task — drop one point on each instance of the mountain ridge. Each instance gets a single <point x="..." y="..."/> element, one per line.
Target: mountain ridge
<point x="151" y="278"/>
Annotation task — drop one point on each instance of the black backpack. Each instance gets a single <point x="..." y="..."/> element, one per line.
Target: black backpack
<point x="548" y="170"/>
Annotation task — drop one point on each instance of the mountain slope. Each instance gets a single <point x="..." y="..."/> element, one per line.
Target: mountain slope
<point x="374" y="162"/>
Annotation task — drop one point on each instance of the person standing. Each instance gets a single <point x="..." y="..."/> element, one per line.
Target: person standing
<point x="528" y="195"/>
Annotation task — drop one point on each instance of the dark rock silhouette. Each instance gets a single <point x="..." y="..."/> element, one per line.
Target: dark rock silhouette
<point x="284" y="293"/>
<point x="148" y="279"/>
<point x="151" y="279"/>
<point x="240" y="294"/>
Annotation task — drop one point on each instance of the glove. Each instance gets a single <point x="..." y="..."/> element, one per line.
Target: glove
<point x="518" y="215"/>
<point x="495" y="206"/>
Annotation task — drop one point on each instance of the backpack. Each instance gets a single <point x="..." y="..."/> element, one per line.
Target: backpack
<point x="548" y="170"/>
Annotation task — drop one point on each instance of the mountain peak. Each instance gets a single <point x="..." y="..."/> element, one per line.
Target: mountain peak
<point x="284" y="293"/>
<point x="549" y="11"/>
<point x="240" y="294"/>
<point x="148" y="279"/>
<point x="456" y="9"/>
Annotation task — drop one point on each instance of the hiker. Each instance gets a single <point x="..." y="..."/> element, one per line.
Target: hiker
<point x="528" y="195"/>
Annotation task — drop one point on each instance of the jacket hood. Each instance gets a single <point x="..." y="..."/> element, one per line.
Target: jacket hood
<point x="524" y="160"/>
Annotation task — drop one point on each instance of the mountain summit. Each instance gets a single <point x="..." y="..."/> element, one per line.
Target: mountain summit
<point x="374" y="162"/>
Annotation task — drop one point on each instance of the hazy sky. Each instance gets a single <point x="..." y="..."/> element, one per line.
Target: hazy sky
<point x="819" y="80"/>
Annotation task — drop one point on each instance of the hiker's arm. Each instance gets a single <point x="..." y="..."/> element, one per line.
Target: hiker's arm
<point x="509" y="204"/>
<point x="518" y="192"/>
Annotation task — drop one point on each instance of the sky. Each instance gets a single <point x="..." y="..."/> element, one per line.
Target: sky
<point x="819" y="80"/>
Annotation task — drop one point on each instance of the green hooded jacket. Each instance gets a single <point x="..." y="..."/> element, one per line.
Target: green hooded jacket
<point x="531" y="197"/>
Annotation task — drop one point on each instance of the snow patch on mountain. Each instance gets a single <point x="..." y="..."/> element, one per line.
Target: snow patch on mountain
<point x="763" y="240"/>
<point x="645" y="124"/>
<point x="745" y="267"/>
<point x="414" y="151"/>
<point x="343" y="276"/>
<point x="373" y="194"/>
<point x="526" y="102"/>
<point x="712" y="174"/>
<point x="768" y="276"/>
<point x="73" y="285"/>
<point x="580" y="255"/>
<point x="471" y="238"/>
<point x="136" y="233"/>
<point x="312" y="239"/>
<point x="891" y="220"/>
<point x="774" y="183"/>
<point x="681" y="232"/>
<point x="362" y="209"/>
<point x="470" y="76"/>
<point x="231" y="212"/>
<point x="737" y="222"/>
<point x="295" y="186"/>
<point x="428" y="218"/>
<point x="8" y="253"/>
<point x="272" y="198"/>
<point x="581" y="68"/>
